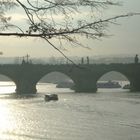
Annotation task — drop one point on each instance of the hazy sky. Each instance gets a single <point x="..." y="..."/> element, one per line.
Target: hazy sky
<point x="125" y="38"/>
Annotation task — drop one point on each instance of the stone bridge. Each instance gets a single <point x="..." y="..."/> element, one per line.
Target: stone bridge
<point x="26" y="76"/>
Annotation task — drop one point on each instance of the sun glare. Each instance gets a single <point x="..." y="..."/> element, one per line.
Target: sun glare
<point x="6" y="123"/>
<point x="7" y="87"/>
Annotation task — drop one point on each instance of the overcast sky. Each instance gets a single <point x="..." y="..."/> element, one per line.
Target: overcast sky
<point x="125" y="38"/>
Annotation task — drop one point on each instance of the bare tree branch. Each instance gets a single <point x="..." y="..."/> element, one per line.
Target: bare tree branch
<point x="57" y="19"/>
<point x="63" y="32"/>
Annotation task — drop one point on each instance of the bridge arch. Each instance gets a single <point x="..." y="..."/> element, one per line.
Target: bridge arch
<point x="54" y="77"/>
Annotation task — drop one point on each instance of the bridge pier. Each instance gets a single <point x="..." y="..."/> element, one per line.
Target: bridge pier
<point x="86" y="85"/>
<point x="25" y="87"/>
<point x="135" y="85"/>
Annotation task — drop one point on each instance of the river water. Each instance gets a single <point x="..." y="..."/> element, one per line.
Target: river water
<point x="109" y="114"/>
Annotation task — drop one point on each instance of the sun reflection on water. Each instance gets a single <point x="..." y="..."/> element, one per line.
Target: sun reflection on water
<point x="7" y="123"/>
<point x="7" y="87"/>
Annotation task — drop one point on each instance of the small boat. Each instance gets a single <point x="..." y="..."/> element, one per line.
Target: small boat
<point x="49" y="97"/>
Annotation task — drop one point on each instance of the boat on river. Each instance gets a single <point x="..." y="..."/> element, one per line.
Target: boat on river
<point x="108" y="84"/>
<point x="49" y="97"/>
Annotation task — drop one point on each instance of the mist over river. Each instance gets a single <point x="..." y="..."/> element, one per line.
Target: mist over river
<point x="109" y="114"/>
